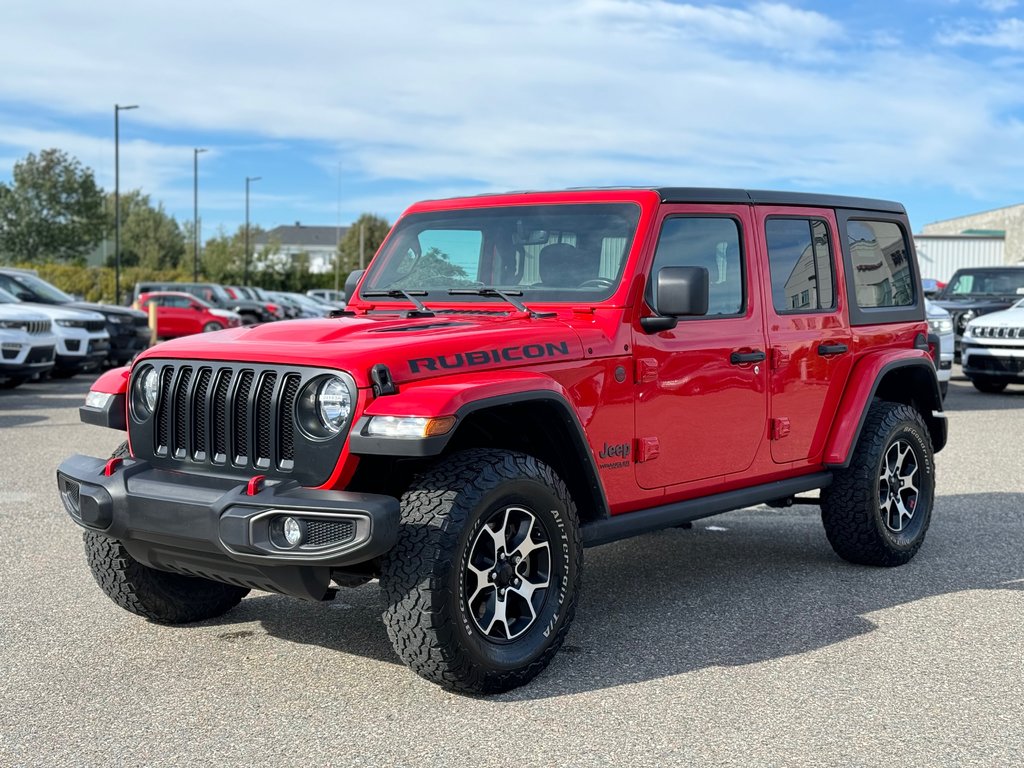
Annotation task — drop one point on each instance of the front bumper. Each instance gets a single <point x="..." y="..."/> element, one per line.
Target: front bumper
<point x="1003" y="363"/>
<point x="211" y="527"/>
<point x="126" y="341"/>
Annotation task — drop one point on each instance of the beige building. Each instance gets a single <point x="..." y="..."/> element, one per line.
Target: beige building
<point x="1007" y="223"/>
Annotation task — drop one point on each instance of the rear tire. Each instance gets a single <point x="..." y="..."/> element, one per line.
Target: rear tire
<point x="161" y="597"/>
<point x="877" y="510"/>
<point x="989" y="386"/>
<point x="481" y="587"/>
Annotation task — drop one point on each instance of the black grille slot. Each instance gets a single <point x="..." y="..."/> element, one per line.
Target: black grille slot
<point x="220" y="417"/>
<point x="286" y="422"/>
<point x="327" y="533"/>
<point x="240" y="417"/>
<point x="235" y="419"/>
<point x="181" y="413"/>
<point x="200" y="434"/>
<point x="265" y="420"/>
<point x="163" y="412"/>
<point x="95" y="325"/>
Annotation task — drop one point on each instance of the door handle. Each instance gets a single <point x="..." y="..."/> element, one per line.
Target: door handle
<point x="831" y="349"/>
<point x="739" y="358"/>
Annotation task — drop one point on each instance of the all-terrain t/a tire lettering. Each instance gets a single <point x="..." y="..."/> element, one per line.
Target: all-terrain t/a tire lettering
<point x="481" y="588"/>
<point x="877" y="510"/>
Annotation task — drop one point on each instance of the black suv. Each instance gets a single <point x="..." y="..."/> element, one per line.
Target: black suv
<point x="128" y="328"/>
<point x="977" y="291"/>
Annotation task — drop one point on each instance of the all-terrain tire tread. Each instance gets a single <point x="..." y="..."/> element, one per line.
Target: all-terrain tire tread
<point x="848" y="505"/>
<point x="415" y="574"/>
<point x="161" y="597"/>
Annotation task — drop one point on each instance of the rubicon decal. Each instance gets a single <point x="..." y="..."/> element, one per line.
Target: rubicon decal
<point x="489" y="357"/>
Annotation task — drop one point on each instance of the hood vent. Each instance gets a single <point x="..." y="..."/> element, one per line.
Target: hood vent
<point x="423" y="327"/>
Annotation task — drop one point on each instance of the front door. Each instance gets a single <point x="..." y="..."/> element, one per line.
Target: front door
<point x="701" y="400"/>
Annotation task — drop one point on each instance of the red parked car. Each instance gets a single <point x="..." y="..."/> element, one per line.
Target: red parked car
<point x="182" y="314"/>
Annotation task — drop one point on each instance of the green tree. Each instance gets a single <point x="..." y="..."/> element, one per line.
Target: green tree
<point x="375" y="229"/>
<point x="150" y="238"/>
<point x="52" y="209"/>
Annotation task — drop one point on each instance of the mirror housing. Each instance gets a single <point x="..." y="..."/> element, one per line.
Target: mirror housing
<point x="679" y="292"/>
<point x="352" y="281"/>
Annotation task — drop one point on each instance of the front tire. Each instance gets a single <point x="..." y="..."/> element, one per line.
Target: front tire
<point x="989" y="386"/>
<point x="877" y="510"/>
<point x="481" y="587"/>
<point x="211" y="327"/>
<point x="161" y="597"/>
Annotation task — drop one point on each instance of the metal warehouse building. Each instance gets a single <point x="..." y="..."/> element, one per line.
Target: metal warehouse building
<point x="982" y="239"/>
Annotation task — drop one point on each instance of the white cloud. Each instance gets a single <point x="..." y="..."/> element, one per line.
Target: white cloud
<point x="1005" y="33"/>
<point x="464" y="96"/>
<point x="998" y="6"/>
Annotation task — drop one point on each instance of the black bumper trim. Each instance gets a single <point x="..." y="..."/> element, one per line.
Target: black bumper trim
<point x="209" y="526"/>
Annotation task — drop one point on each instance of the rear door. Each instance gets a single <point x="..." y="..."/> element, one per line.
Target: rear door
<point x="809" y="337"/>
<point x="701" y="399"/>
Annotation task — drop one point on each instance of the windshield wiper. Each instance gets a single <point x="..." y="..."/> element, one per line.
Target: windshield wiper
<point x="506" y="295"/>
<point x="397" y="293"/>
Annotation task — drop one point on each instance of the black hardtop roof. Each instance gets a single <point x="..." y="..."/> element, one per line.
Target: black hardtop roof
<point x="769" y="197"/>
<point x="739" y="196"/>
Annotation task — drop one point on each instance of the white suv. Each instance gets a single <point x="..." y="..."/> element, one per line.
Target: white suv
<point x="992" y="349"/>
<point x="82" y="338"/>
<point x="27" y="344"/>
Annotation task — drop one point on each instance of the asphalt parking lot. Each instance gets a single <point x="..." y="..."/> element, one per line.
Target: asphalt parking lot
<point x="744" y="641"/>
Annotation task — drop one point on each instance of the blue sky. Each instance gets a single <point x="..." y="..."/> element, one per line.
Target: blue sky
<point x="352" y="107"/>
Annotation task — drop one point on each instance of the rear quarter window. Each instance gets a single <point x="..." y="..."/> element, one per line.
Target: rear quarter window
<point x="881" y="269"/>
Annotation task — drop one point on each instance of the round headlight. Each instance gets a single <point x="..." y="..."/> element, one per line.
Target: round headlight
<point x="334" y="404"/>
<point x="150" y="386"/>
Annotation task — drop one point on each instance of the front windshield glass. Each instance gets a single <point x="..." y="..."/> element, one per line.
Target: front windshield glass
<point x="46" y="292"/>
<point x="6" y="298"/>
<point x="989" y="282"/>
<point x="546" y="252"/>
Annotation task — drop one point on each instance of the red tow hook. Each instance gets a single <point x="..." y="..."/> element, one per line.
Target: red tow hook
<point x="256" y="485"/>
<point x="112" y="465"/>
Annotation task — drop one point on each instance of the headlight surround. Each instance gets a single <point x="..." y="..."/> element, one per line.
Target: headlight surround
<point x="71" y="323"/>
<point x="145" y="392"/>
<point x="324" y="406"/>
<point x="119" y="319"/>
<point x="12" y="325"/>
<point x="941" y="325"/>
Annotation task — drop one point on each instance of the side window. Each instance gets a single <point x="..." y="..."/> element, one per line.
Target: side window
<point x="800" y="261"/>
<point x="881" y="264"/>
<point x="712" y="243"/>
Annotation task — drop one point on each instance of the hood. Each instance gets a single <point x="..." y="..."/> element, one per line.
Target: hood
<point x="977" y="303"/>
<point x="934" y="311"/>
<point x="61" y="312"/>
<point x="1008" y="318"/>
<point x="412" y="348"/>
<point x="20" y="312"/>
<point x="105" y="309"/>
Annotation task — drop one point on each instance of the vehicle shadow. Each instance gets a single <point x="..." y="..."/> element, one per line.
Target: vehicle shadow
<point x="964" y="397"/>
<point x="47" y="395"/>
<point x="743" y="588"/>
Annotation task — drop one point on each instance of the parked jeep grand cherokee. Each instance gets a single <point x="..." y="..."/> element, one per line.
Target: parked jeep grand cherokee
<point x="518" y="377"/>
<point x="993" y="349"/>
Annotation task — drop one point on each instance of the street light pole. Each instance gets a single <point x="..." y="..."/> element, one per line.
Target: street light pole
<point x="248" y="181"/>
<point x="195" y="213"/>
<point x="117" y="199"/>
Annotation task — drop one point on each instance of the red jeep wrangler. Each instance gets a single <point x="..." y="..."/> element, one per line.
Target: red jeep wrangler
<point x="518" y="377"/>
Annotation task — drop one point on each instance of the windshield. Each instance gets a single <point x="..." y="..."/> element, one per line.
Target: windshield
<point x="41" y="290"/>
<point x="542" y="252"/>
<point x="6" y="298"/>
<point x="990" y="282"/>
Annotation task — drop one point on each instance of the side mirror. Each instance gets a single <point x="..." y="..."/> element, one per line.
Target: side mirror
<point x="352" y="281"/>
<point x="678" y="292"/>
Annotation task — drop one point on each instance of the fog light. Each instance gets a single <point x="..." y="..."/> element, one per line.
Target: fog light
<point x="292" y="531"/>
